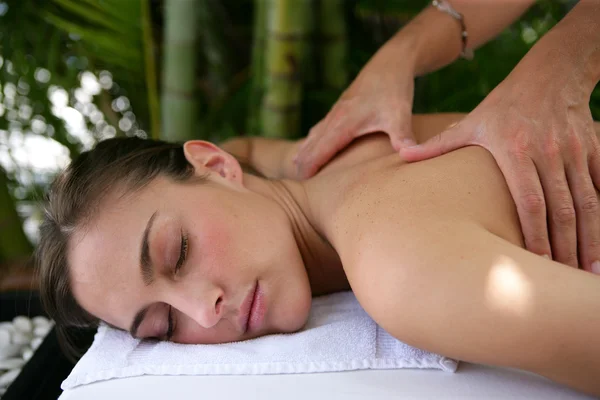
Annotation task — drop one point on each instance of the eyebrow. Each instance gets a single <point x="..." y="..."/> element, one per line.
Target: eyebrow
<point x="145" y="262"/>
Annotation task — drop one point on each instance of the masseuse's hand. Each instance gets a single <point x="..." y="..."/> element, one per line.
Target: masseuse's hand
<point x="541" y="133"/>
<point x="379" y="99"/>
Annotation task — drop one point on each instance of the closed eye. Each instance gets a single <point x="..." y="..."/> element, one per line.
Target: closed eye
<point x="182" y="252"/>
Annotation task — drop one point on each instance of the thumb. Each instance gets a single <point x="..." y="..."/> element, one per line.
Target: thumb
<point x="442" y="143"/>
<point x="402" y="136"/>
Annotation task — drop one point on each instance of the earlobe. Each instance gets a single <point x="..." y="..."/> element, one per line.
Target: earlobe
<point x="205" y="155"/>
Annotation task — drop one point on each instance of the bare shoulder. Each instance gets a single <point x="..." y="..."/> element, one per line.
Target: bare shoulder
<point x="376" y="145"/>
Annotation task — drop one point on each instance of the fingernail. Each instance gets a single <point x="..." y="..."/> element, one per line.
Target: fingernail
<point x="546" y="256"/>
<point x="596" y="267"/>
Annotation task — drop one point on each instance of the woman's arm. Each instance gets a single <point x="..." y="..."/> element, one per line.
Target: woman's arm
<point x="380" y="99"/>
<point x="538" y="126"/>
<point x="435" y="36"/>
<point x="274" y="157"/>
<point x="452" y="287"/>
<point x="270" y="157"/>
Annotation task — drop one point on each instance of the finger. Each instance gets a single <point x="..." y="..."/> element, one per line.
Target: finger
<point x="561" y="213"/>
<point x="401" y="134"/>
<point x="321" y="150"/>
<point x="594" y="164"/>
<point x="450" y="139"/>
<point x="588" y="213"/>
<point x="525" y="187"/>
<point x="594" y="167"/>
<point x="312" y="136"/>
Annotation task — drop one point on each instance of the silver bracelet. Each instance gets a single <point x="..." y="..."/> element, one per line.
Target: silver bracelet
<point x="445" y="7"/>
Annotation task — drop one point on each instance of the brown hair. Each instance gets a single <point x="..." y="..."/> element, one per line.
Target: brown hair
<point x="119" y="163"/>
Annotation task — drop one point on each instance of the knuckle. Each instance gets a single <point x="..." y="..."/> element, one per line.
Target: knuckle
<point x="520" y="146"/>
<point x="564" y="216"/>
<point x="551" y="149"/>
<point x="594" y="153"/>
<point x="538" y="244"/>
<point x="533" y="203"/>
<point x="594" y="246"/>
<point x="574" y="140"/>
<point x="520" y="159"/>
<point x="589" y="204"/>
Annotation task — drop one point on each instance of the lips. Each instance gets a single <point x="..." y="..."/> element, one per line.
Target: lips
<point x="244" y="315"/>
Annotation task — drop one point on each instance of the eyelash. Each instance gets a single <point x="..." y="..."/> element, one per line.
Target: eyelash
<point x="178" y="265"/>
<point x="171" y="328"/>
<point x="183" y="252"/>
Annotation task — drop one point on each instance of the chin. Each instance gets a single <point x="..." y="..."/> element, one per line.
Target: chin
<point x="299" y="314"/>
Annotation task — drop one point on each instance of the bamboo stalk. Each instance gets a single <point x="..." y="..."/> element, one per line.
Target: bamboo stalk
<point x="258" y="68"/>
<point x="334" y="47"/>
<point x="215" y="48"/>
<point x="288" y="36"/>
<point x="178" y="104"/>
<point x="13" y="242"/>
<point x="150" y="68"/>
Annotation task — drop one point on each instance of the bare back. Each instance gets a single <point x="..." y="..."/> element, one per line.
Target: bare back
<point x="466" y="184"/>
<point x="434" y="253"/>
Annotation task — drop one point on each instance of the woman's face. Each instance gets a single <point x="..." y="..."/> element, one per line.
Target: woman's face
<point x="183" y="261"/>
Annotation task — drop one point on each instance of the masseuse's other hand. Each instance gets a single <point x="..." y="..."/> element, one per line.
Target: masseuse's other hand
<point x="542" y="137"/>
<point x="379" y="99"/>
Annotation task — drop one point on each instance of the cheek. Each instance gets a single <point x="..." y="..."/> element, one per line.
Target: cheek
<point x="214" y="247"/>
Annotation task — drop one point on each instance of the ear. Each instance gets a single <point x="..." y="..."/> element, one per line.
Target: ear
<point x="204" y="155"/>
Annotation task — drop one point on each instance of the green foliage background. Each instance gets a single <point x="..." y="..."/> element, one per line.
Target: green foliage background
<point x="124" y="39"/>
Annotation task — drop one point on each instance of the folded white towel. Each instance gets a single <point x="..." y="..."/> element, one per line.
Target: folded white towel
<point x="338" y="336"/>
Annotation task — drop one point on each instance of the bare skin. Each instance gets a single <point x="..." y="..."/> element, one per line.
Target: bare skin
<point x="434" y="253"/>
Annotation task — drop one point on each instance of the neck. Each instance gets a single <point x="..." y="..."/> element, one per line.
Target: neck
<point x="321" y="261"/>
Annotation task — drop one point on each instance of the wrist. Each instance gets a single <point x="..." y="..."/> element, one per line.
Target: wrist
<point x="435" y="40"/>
<point x="397" y="56"/>
<point x="559" y="63"/>
<point x="572" y="47"/>
<point x="544" y="76"/>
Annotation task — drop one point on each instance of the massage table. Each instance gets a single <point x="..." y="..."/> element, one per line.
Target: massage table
<point x="471" y="381"/>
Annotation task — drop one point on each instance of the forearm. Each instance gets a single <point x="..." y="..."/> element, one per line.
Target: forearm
<point x="270" y="157"/>
<point x="569" y="55"/>
<point x="432" y="39"/>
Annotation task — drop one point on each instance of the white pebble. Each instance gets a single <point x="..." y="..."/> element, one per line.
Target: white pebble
<point x="40" y="321"/>
<point x="41" y="331"/>
<point x="4" y="337"/>
<point x="35" y="343"/>
<point x="23" y="324"/>
<point x="27" y="354"/>
<point x="21" y="338"/>
<point x="7" y="378"/>
<point x="7" y="326"/>
<point x="10" y="350"/>
<point x="11" y="363"/>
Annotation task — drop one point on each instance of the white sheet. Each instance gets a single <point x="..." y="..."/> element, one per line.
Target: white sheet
<point x="470" y="382"/>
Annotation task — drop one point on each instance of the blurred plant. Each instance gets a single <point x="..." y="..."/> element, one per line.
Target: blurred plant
<point x="75" y="71"/>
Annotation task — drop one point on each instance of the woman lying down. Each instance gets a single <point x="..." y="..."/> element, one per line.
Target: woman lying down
<point x="175" y="242"/>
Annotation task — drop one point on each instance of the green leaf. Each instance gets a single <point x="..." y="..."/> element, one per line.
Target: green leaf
<point x="94" y="16"/>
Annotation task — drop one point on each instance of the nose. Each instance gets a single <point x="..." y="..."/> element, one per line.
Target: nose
<point x="206" y="309"/>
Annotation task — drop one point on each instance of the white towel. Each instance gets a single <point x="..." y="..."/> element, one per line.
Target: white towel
<point x="339" y="336"/>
